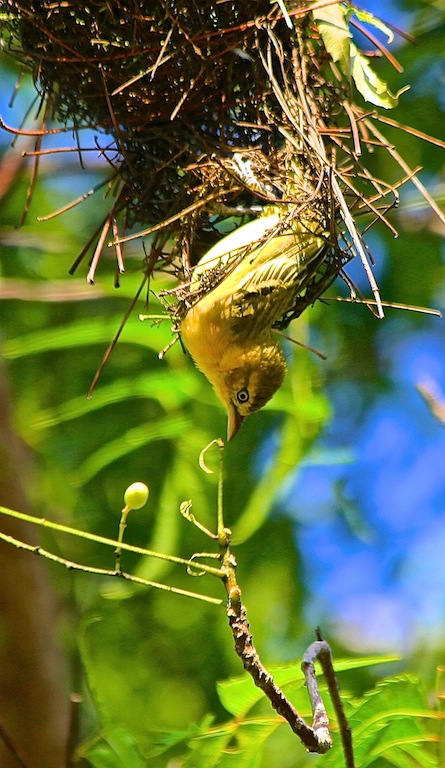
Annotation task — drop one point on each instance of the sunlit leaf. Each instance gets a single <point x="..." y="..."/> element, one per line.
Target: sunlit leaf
<point x="334" y="30"/>
<point x="391" y="722"/>
<point x="235" y="745"/>
<point x="394" y="723"/>
<point x="368" y="18"/>
<point x="335" y="34"/>
<point x="369" y="84"/>
<point x="239" y="695"/>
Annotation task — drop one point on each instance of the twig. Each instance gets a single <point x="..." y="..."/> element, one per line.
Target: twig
<point x="119" y="256"/>
<point x="349" y="222"/>
<point x="401" y="162"/>
<point x="72" y="566"/>
<point x="321" y="650"/>
<point x="85" y="248"/>
<point x="163" y="224"/>
<point x="98" y="250"/>
<point x="115" y="339"/>
<point x="245" y="649"/>
<point x="434" y="401"/>
<point x="319" y="354"/>
<point x="73" y="203"/>
<point x="316" y="738"/>
<point x="74" y="729"/>
<point x="94" y="537"/>
<point x="375" y="41"/>
<point x="390" y="304"/>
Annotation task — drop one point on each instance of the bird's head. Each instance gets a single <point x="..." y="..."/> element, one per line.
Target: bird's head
<point x="246" y="379"/>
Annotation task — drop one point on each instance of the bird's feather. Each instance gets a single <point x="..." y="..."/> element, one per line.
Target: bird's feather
<point x="266" y="283"/>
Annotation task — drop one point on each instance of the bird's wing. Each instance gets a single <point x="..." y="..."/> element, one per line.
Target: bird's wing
<point x="267" y="288"/>
<point x="269" y="277"/>
<point x="235" y="245"/>
<point x="287" y="262"/>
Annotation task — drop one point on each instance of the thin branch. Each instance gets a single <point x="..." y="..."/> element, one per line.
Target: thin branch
<point x="313" y="741"/>
<point x="98" y="249"/>
<point x="72" y="566"/>
<point x="75" y="202"/>
<point x="389" y="304"/>
<point x="101" y="540"/>
<point x="151" y="261"/>
<point x="172" y="219"/>
<point x="375" y="41"/>
<point x="35" y="131"/>
<point x="401" y="162"/>
<point x="350" y="225"/>
<point x="435" y="403"/>
<point x="85" y="249"/>
<point x="408" y="129"/>
<point x="301" y="344"/>
<point x="354" y="129"/>
<point x="316" y="738"/>
<point x="118" y="247"/>
<point x="320" y="650"/>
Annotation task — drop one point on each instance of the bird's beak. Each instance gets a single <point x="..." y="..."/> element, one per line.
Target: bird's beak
<point x="235" y="419"/>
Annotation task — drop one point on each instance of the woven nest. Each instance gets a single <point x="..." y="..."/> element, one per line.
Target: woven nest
<point x="214" y="109"/>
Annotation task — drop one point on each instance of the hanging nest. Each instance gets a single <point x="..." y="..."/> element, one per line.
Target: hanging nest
<point x="208" y="111"/>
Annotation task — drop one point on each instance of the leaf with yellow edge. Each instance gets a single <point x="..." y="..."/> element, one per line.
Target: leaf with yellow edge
<point x="332" y="22"/>
<point x="369" y="84"/>
<point x="368" y="18"/>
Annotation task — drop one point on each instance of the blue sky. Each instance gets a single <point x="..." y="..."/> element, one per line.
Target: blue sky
<point x="371" y="527"/>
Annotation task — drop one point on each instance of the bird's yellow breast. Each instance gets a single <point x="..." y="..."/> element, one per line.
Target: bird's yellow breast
<point x="206" y="334"/>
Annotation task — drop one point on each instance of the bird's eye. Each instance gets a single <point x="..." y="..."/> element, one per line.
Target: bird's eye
<point x="242" y="396"/>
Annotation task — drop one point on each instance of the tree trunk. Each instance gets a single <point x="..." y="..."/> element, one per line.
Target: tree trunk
<point x="33" y="694"/>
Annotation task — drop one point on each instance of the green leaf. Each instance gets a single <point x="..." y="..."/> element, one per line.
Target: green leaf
<point x="115" y="748"/>
<point x="162" y="429"/>
<point x="392" y="723"/>
<point x="165" y="741"/>
<point x="335" y="34"/>
<point x="368" y="18"/>
<point x="82" y="333"/>
<point x="391" y="716"/>
<point x="181" y="387"/>
<point x="369" y="84"/>
<point x="334" y="30"/>
<point x="234" y="745"/>
<point x="238" y="695"/>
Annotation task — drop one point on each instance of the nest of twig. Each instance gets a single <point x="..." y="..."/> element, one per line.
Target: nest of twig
<point x="206" y="110"/>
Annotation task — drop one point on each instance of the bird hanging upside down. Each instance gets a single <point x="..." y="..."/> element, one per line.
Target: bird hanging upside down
<point x="229" y="329"/>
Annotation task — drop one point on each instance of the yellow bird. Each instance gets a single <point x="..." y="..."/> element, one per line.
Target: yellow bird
<point x="228" y="330"/>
